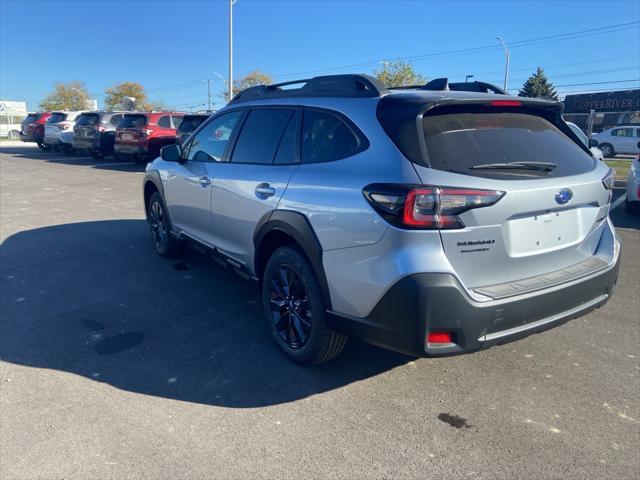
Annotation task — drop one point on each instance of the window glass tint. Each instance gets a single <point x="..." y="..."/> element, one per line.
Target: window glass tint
<point x="210" y="142"/>
<point x="31" y="118"/>
<point x="325" y="138"/>
<point x="458" y="142"/>
<point x="57" y="117"/>
<point x="164" y="122"/>
<point x="88" y="119"/>
<point x="115" y="120"/>
<point x="133" y="121"/>
<point x="579" y="133"/>
<point x="176" y="121"/>
<point x="288" y="148"/>
<point x="260" y="136"/>
<point x="190" y="123"/>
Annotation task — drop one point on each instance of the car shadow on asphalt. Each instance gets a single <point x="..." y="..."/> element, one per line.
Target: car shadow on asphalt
<point x="95" y="300"/>
<point x="62" y="158"/>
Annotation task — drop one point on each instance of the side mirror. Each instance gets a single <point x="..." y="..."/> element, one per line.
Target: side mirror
<point x="593" y="142"/>
<point x="638" y="144"/>
<point x="171" y="153"/>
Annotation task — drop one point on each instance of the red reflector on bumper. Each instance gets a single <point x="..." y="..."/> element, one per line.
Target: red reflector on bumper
<point x="439" y="337"/>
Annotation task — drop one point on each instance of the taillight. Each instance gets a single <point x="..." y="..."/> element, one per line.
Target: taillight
<point x="609" y="180"/>
<point x="146" y="131"/>
<point x="427" y="207"/>
<point x="63" y="126"/>
<point x="100" y="128"/>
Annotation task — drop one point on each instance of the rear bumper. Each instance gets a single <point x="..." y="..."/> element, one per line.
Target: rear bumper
<point x="130" y="149"/>
<point x="86" y="143"/>
<point x="436" y="302"/>
<point x="27" y="137"/>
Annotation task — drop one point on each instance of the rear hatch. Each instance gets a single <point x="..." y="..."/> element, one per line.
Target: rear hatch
<point x="52" y="128"/>
<point x="29" y="123"/>
<point x="131" y="130"/>
<point x="87" y="125"/>
<point x="548" y="203"/>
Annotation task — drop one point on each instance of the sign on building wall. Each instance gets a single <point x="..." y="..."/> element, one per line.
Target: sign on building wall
<point x="621" y="101"/>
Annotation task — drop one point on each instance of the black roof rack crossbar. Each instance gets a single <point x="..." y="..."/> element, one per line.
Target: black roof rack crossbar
<point x="442" y="84"/>
<point x="352" y="85"/>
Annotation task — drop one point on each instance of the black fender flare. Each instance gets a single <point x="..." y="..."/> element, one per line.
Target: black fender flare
<point x="297" y="226"/>
<point x="153" y="176"/>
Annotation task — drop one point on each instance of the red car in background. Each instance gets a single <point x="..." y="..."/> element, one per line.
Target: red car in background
<point x="141" y="135"/>
<point x="32" y="128"/>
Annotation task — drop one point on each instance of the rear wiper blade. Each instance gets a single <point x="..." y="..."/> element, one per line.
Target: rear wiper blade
<point x="538" y="166"/>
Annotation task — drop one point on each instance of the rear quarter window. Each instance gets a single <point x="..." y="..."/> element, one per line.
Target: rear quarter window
<point x="326" y="138"/>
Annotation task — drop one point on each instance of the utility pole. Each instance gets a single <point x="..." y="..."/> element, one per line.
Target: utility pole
<point x="506" y="68"/>
<point x="231" y="2"/>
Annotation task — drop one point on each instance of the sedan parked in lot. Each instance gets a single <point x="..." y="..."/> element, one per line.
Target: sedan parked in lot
<point x="58" y="131"/>
<point x="32" y="128"/>
<point x="621" y="139"/>
<point x="632" y="204"/>
<point x="141" y="135"/>
<point x="95" y="132"/>
<point x="190" y="124"/>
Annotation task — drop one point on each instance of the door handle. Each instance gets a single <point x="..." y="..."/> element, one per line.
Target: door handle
<point x="204" y="181"/>
<point x="264" y="190"/>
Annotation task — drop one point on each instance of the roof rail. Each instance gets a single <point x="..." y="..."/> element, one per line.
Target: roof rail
<point x="351" y="85"/>
<point x="442" y="84"/>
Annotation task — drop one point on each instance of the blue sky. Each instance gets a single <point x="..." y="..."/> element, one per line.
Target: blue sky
<point x="167" y="44"/>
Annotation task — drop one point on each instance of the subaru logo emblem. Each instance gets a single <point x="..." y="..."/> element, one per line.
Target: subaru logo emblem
<point x="563" y="196"/>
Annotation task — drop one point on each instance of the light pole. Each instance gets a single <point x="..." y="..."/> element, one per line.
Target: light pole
<point x="231" y="2"/>
<point x="506" y="68"/>
<point x="466" y="79"/>
<point x="84" y="96"/>
<point x="222" y="79"/>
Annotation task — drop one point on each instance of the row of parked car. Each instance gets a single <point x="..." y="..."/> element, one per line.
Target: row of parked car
<point x="137" y="136"/>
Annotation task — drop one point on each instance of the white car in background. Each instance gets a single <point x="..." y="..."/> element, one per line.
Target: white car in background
<point x="632" y="205"/>
<point x="595" y="151"/>
<point x="620" y="139"/>
<point x="58" y="131"/>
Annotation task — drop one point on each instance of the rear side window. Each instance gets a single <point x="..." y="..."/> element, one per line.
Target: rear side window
<point x="177" y="121"/>
<point x="133" y="121"/>
<point x="57" y="117"/>
<point x="463" y="142"/>
<point x="88" y="119"/>
<point x="115" y="120"/>
<point x="325" y="138"/>
<point x="164" y="122"/>
<point x="622" y="132"/>
<point x="211" y="142"/>
<point x="260" y="136"/>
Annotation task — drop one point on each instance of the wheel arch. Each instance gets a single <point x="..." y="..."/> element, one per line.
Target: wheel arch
<point x="282" y="227"/>
<point x="152" y="183"/>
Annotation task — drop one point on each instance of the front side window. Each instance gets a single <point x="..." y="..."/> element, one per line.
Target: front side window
<point x="211" y="142"/>
<point x="326" y="138"/>
<point x="260" y="136"/>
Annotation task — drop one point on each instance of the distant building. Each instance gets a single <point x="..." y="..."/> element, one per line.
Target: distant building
<point x="611" y="108"/>
<point x="11" y="114"/>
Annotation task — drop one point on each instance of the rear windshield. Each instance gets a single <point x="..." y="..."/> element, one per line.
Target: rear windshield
<point x="475" y="142"/>
<point x="57" y="117"/>
<point x="32" y="117"/>
<point x="190" y="124"/>
<point x="133" y="121"/>
<point x="88" y="119"/>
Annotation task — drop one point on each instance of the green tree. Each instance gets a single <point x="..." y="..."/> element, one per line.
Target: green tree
<point x="537" y="86"/>
<point x="398" y="74"/>
<point x="66" y="96"/>
<point x="251" y="79"/>
<point x="157" y="105"/>
<point x="116" y="95"/>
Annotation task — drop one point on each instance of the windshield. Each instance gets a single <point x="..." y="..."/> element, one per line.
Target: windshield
<point x="57" y="117"/>
<point x="133" y="121"/>
<point x="32" y="117"/>
<point x="465" y="142"/>
<point x="88" y="119"/>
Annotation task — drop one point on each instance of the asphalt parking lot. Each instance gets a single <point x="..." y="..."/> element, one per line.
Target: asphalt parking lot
<point x="116" y="363"/>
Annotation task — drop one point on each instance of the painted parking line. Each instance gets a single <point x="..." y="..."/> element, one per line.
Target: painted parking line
<point x="617" y="203"/>
<point x="116" y="164"/>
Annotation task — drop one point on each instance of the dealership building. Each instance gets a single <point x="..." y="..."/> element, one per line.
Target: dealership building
<point x="606" y="109"/>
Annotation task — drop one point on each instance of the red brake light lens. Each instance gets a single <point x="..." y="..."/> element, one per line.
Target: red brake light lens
<point x="427" y="207"/>
<point x="506" y="103"/>
<point x="439" y="337"/>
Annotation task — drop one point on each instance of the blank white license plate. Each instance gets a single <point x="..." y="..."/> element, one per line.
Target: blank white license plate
<point x="127" y="136"/>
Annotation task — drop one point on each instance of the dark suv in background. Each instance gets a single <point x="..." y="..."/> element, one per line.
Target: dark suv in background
<point x="32" y="128"/>
<point x="141" y="135"/>
<point x="95" y="132"/>
<point x="190" y="124"/>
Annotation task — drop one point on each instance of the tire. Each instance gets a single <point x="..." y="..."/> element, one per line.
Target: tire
<point x="607" y="150"/>
<point x="289" y="284"/>
<point x="632" y="208"/>
<point x="165" y="244"/>
<point x="141" y="160"/>
<point x="13" y="135"/>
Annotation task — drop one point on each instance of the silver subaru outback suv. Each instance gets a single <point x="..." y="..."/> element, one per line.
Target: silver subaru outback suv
<point x="434" y="220"/>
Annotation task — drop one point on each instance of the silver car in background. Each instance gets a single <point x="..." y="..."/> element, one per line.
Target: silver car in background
<point x="433" y="220"/>
<point x="632" y="204"/>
